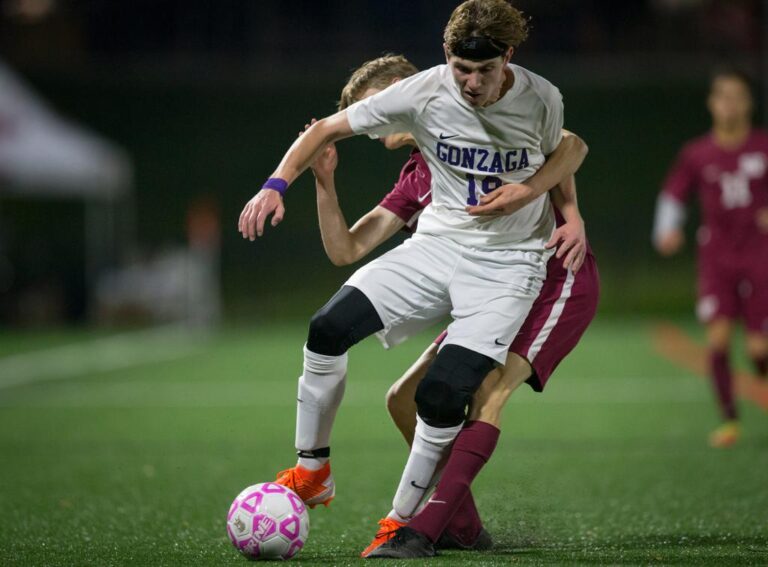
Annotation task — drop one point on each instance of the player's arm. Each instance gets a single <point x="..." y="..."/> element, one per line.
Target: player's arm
<point x="269" y="200"/>
<point x="346" y="245"/>
<point x="560" y="165"/>
<point x="668" y="236"/>
<point x="342" y="244"/>
<point x="571" y="236"/>
<point x="669" y="219"/>
<point x="392" y="110"/>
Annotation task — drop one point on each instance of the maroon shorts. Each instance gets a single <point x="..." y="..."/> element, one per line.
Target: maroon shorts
<point x="558" y="318"/>
<point x="734" y="289"/>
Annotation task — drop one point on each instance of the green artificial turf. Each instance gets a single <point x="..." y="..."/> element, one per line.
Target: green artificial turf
<point x="137" y="465"/>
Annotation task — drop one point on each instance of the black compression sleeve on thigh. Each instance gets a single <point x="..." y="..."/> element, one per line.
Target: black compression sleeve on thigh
<point x="345" y="320"/>
<point x="444" y="393"/>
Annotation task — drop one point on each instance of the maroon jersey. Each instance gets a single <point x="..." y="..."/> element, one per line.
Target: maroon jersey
<point x="732" y="187"/>
<point x="412" y="191"/>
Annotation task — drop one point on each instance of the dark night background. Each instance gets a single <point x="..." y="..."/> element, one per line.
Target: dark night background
<point x="206" y="96"/>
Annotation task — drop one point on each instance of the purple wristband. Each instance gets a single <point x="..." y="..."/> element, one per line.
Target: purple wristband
<point x="277" y="184"/>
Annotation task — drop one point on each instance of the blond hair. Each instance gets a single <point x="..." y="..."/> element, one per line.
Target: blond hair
<point x="375" y="74"/>
<point x="496" y="19"/>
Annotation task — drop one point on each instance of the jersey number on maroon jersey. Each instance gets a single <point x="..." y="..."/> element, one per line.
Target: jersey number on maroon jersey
<point x="488" y="184"/>
<point x="735" y="190"/>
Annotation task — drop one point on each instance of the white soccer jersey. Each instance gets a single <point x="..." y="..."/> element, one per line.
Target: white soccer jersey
<point x="471" y="151"/>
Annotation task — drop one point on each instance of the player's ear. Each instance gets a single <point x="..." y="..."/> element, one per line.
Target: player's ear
<point x="447" y="53"/>
<point x="508" y="56"/>
<point x="395" y="79"/>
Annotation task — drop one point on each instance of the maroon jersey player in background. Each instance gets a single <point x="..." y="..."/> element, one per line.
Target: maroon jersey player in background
<point x="727" y="169"/>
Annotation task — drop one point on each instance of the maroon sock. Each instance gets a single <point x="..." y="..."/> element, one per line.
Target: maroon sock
<point x="761" y="366"/>
<point x="720" y="369"/>
<point x="471" y="450"/>
<point x="465" y="525"/>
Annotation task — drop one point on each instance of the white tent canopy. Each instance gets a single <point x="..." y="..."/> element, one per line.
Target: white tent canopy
<point x="43" y="154"/>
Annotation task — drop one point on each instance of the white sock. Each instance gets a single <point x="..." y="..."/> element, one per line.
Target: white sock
<point x="321" y="389"/>
<point x="430" y="444"/>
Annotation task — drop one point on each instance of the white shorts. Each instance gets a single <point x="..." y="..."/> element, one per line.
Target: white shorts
<point x="488" y="293"/>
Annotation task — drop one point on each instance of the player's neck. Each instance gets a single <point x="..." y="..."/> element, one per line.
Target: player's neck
<point x="731" y="137"/>
<point x="509" y="80"/>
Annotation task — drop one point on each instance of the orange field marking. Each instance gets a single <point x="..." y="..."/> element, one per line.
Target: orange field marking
<point x="673" y="344"/>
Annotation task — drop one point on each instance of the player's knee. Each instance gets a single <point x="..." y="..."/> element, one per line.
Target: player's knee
<point x="719" y="335"/>
<point x="444" y="393"/>
<point x="346" y="319"/>
<point x="439" y="404"/>
<point x="393" y="399"/>
<point x="757" y="346"/>
<point x="399" y="403"/>
<point x="326" y="334"/>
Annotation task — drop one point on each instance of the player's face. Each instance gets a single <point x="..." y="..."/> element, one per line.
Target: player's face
<point x="393" y="141"/>
<point x="480" y="82"/>
<point x="730" y="103"/>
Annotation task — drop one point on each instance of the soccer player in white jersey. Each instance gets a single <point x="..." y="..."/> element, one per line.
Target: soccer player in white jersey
<point x="554" y="325"/>
<point x="484" y="127"/>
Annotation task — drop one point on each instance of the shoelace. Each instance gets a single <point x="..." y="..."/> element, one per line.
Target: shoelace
<point x="386" y="528"/>
<point x="293" y="480"/>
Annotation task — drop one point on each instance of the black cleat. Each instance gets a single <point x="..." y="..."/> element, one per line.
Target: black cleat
<point x="483" y="542"/>
<point x="405" y="544"/>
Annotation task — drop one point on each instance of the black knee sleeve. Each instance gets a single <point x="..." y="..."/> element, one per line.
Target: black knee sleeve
<point x="345" y="320"/>
<point x="444" y="393"/>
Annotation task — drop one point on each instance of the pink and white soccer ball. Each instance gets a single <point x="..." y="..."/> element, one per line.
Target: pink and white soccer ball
<point x="268" y="521"/>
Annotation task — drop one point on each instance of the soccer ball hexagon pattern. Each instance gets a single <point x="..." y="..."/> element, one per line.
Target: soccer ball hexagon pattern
<point x="268" y="521"/>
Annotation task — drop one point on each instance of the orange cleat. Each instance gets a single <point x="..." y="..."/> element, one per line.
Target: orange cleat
<point x="725" y="435"/>
<point x="387" y="529"/>
<point x="313" y="487"/>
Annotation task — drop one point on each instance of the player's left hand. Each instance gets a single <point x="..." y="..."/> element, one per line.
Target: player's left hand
<point x="505" y="200"/>
<point x="572" y="240"/>
<point x="266" y="202"/>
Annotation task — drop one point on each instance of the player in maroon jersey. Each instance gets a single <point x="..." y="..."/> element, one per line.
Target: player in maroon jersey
<point x="556" y="322"/>
<point x="727" y="169"/>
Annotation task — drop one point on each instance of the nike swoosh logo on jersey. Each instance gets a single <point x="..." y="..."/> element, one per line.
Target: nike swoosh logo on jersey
<point x="424" y="196"/>
<point x="413" y="484"/>
<point x="444" y="137"/>
<point x="498" y="343"/>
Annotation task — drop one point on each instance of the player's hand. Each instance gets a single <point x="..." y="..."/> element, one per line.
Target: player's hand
<point x="762" y="219"/>
<point x="505" y="200"/>
<point x="670" y="242"/>
<point x="571" y="242"/>
<point x="266" y="202"/>
<point x="325" y="163"/>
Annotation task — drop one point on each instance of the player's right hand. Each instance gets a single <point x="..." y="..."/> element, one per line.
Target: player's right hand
<point x="266" y="202"/>
<point x="670" y="242"/>
<point x="570" y="239"/>
<point x="505" y="200"/>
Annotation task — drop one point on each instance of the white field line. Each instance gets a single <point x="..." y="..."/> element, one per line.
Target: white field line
<point x="124" y="350"/>
<point x="119" y="393"/>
